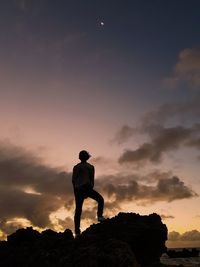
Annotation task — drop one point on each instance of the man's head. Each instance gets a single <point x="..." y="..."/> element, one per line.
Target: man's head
<point x="84" y="155"/>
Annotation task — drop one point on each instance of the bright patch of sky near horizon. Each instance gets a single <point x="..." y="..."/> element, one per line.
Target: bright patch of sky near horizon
<point x="67" y="83"/>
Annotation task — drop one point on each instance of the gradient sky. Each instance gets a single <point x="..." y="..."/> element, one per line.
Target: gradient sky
<point x="127" y="90"/>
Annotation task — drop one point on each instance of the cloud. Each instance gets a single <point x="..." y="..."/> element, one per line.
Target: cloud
<point x="10" y="226"/>
<point x="35" y="208"/>
<point x="165" y="217"/>
<point x="174" y="189"/>
<point x="163" y="139"/>
<point x="166" y="187"/>
<point x="30" y="189"/>
<point x="21" y="168"/>
<point x="193" y="235"/>
<point x="183" y="111"/>
<point x="67" y="223"/>
<point x="187" y="68"/>
<point x="32" y="192"/>
<point x="163" y="130"/>
<point x="124" y="134"/>
<point x="194" y="143"/>
<point x="174" y="236"/>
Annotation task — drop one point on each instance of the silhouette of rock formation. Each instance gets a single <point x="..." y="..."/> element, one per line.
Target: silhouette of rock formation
<point x="127" y="240"/>
<point x="184" y="253"/>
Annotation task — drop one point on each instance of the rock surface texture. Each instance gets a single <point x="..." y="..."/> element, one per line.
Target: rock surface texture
<point x="126" y="240"/>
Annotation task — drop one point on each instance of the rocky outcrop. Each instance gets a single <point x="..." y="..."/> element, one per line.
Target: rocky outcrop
<point x="127" y="240"/>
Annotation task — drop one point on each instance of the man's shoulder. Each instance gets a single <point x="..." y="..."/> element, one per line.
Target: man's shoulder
<point x="77" y="165"/>
<point x="90" y="165"/>
<point x="81" y="165"/>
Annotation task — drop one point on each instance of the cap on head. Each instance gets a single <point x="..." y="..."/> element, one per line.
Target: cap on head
<point x="84" y="155"/>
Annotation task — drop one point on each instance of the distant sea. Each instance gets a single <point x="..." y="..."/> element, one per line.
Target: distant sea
<point x="186" y="262"/>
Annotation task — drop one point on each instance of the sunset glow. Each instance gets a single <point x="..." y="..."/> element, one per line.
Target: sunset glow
<point x="129" y="93"/>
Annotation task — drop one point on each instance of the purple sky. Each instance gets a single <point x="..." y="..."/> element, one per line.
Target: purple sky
<point x="126" y="90"/>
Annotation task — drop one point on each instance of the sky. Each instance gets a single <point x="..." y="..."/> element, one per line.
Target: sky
<point x="120" y="79"/>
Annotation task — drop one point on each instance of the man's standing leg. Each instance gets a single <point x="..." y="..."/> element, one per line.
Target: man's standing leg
<point x="78" y="210"/>
<point x="96" y="196"/>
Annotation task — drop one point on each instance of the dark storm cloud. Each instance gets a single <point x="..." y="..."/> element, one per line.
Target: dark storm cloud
<point x="163" y="139"/>
<point x="36" y="208"/>
<point x="166" y="187"/>
<point x="194" y="143"/>
<point x="30" y="189"/>
<point x="20" y="168"/>
<point x="174" y="189"/>
<point x="118" y="190"/>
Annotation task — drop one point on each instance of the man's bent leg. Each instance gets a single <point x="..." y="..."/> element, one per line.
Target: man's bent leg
<point x="96" y="196"/>
<point x="78" y="210"/>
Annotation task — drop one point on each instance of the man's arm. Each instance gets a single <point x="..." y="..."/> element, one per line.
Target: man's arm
<point x="92" y="176"/>
<point x="74" y="175"/>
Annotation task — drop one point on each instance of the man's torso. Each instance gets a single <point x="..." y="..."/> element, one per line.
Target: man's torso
<point x="82" y="174"/>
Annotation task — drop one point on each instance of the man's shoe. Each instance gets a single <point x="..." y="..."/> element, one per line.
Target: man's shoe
<point x="101" y="219"/>
<point x="77" y="235"/>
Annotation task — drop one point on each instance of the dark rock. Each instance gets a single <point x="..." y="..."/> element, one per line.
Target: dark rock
<point x="107" y="253"/>
<point x="23" y="235"/>
<point x="127" y="240"/>
<point x="146" y="235"/>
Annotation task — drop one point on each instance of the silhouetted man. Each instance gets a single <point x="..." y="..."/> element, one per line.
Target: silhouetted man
<point x="83" y="183"/>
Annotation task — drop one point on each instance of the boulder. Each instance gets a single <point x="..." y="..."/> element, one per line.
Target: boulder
<point x="126" y="240"/>
<point x="145" y="235"/>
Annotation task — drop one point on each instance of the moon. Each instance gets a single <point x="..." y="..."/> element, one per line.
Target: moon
<point x="102" y="23"/>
